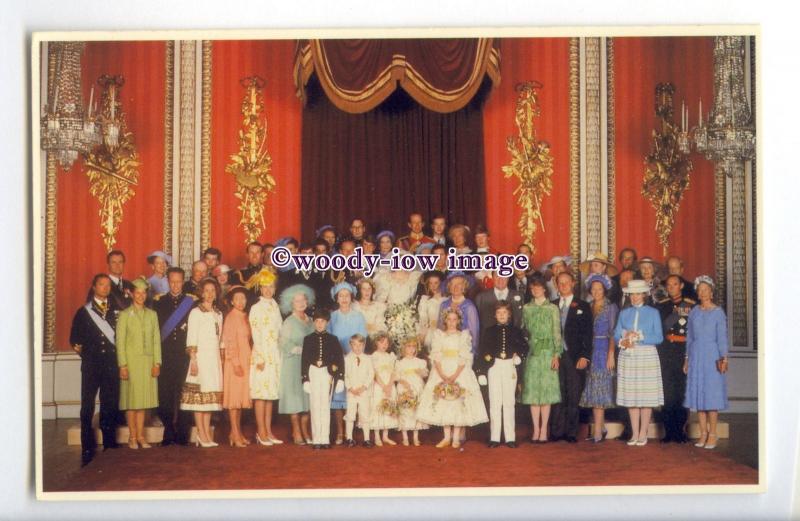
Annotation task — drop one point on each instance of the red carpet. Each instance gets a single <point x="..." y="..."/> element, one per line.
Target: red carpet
<point x="289" y="466"/>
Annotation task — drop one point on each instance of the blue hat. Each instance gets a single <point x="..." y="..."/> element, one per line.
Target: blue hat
<point x="388" y="233"/>
<point x="424" y="246"/>
<point x="323" y="228"/>
<point x="160" y="254"/>
<point x="339" y="287"/>
<point x="598" y="277"/>
<point x="283" y="241"/>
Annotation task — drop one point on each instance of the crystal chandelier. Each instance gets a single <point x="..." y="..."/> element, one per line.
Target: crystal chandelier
<point x="66" y="130"/>
<point x="729" y="138"/>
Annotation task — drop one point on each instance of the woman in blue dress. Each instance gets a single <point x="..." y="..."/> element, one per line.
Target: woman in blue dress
<point x="706" y="362"/>
<point x="345" y="322"/>
<point x="639" y="385"/>
<point x="599" y="391"/>
<point x="457" y="284"/>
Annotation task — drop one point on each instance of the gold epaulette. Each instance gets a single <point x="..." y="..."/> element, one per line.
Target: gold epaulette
<point x="664" y="300"/>
<point x="690" y="301"/>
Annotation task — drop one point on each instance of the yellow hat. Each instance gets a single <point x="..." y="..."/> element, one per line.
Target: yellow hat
<point x="265" y="277"/>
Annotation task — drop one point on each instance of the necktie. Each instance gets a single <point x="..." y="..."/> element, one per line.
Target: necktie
<point x="358" y="361"/>
<point x="564" y="310"/>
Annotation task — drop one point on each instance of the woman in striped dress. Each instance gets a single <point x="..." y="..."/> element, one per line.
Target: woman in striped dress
<point x="639" y="386"/>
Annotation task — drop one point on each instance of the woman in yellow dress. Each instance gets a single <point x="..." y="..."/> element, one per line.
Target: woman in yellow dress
<point x="139" y="359"/>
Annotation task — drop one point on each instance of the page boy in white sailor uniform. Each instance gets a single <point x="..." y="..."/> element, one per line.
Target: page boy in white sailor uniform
<point x="358" y="378"/>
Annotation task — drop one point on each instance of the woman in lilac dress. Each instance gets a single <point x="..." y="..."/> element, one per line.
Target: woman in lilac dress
<point x="457" y="284"/>
<point x="706" y="362"/>
<point x="599" y="391"/>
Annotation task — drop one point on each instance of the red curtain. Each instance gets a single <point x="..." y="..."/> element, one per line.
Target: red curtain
<point x="384" y="164"/>
<point x="271" y="60"/>
<point x="641" y="63"/>
<point x="547" y="61"/>
<point x="357" y="75"/>
<point x="80" y="248"/>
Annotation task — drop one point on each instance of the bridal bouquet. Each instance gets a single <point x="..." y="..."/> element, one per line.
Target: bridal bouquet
<point x="401" y="322"/>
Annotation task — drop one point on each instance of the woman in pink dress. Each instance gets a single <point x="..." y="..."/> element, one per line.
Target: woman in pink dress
<point x="237" y="344"/>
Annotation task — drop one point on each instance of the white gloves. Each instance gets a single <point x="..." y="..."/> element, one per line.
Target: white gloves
<point x="339" y="386"/>
<point x="307" y="387"/>
<point x="517" y="360"/>
<point x="482" y="380"/>
<point x="296" y="350"/>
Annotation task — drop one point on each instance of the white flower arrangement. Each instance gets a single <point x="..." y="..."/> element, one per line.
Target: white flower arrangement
<point x="401" y="322"/>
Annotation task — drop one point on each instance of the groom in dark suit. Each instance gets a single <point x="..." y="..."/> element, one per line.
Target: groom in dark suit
<point x="576" y="332"/>
<point x="488" y="298"/>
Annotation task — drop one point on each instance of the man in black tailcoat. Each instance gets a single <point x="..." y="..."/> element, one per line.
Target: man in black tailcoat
<point x="93" y="337"/>
<point x="576" y="333"/>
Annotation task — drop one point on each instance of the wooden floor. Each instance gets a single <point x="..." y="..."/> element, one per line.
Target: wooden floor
<point x="612" y="462"/>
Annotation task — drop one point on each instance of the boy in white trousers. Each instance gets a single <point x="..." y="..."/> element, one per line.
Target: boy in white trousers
<point x="501" y="349"/>
<point x="322" y="369"/>
<point x="358" y="378"/>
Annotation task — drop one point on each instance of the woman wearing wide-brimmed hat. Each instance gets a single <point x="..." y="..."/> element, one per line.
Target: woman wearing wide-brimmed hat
<point x="639" y="385"/>
<point x="706" y="362"/>
<point x="550" y="271"/>
<point x="597" y="264"/>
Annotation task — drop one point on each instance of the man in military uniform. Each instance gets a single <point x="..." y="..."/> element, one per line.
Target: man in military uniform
<point x="199" y="272"/>
<point x="93" y="337"/>
<point x="674" y="315"/>
<point x="416" y="236"/>
<point x="173" y="310"/>
<point x="240" y="277"/>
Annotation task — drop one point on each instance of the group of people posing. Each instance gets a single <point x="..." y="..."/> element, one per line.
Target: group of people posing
<point x="400" y="350"/>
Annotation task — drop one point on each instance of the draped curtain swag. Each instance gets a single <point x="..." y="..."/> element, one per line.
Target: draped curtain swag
<point x="442" y="75"/>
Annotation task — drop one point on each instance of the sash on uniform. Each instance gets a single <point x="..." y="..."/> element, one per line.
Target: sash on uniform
<point x="172" y="322"/>
<point x="101" y="324"/>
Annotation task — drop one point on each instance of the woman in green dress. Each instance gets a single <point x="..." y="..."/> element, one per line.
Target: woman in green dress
<point x="295" y="300"/>
<point x="540" y="389"/>
<point x="138" y="342"/>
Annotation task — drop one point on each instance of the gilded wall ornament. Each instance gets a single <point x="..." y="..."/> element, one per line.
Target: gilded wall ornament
<point x="251" y="166"/>
<point x="667" y="168"/>
<point x="531" y="162"/>
<point x="112" y="167"/>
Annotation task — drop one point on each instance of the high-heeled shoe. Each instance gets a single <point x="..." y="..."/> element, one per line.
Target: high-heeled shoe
<point x="275" y="441"/>
<point x="205" y="444"/>
<point x="143" y="443"/>
<point x="709" y="444"/>
<point x="266" y="443"/>
<point x="444" y="443"/>
<point x="309" y="441"/>
<point x="132" y="443"/>
<point x="631" y="442"/>
<point x="642" y="442"/>
<point x="236" y="443"/>
<point x="701" y="441"/>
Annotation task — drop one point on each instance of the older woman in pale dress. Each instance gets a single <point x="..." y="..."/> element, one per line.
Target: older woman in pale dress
<point x="265" y="363"/>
